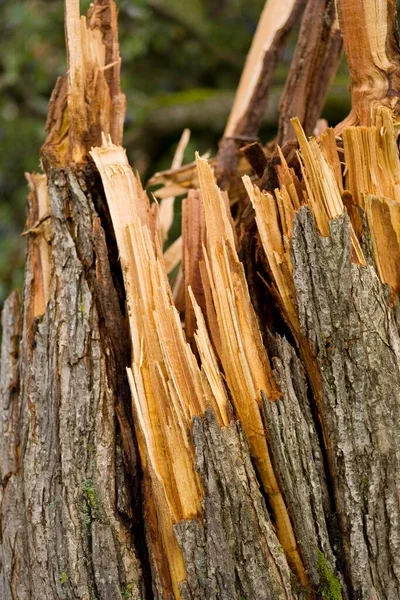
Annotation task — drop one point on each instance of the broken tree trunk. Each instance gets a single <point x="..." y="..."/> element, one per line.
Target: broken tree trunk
<point x="245" y="446"/>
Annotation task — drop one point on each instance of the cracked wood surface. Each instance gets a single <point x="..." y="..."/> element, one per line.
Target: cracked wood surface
<point x="70" y="504"/>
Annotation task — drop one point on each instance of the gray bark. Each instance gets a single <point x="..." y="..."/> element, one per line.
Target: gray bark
<point x="298" y="461"/>
<point x="235" y="553"/>
<point x="353" y="331"/>
<point x="61" y="439"/>
<point x="14" y="558"/>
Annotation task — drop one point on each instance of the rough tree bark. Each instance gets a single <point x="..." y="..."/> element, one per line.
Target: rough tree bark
<point x="260" y="459"/>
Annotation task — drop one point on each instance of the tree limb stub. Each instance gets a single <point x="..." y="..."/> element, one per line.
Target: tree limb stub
<point x="314" y="64"/>
<point x="369" y="35"/>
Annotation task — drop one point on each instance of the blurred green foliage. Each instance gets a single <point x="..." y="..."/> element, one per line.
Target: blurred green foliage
<point x="181" y="62"/>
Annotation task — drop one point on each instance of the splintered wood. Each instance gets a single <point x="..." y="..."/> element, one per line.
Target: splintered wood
<point x="274" y="217"/>
<point x="218" y="358"/>
<point x="87" y="100"/>
<point x="197" y="349"/>
<point x="370" y="183"/>
<point x="168" y="386"/>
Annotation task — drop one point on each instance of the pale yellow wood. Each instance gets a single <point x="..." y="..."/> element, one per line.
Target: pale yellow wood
<point x="168" y="386"/>
<point x="270" y="222"/>
<point x="173" y="255"/>
<point x="322" y="189"/>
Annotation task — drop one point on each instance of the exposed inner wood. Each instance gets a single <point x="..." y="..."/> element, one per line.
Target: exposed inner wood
<point x="168" y="387"/>
<point x="173" y="255"/>
<point x="322" y="191"/>
<point x="38" y="230"/>
<point x="230" y="318"/>
<point x="372" y="172"/>
<point x="193" y="236"/>
<point x="372" y="158"/>
<point x="87" y="100"/>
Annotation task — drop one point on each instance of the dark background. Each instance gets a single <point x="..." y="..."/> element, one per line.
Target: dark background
<point x="181" y="63"/>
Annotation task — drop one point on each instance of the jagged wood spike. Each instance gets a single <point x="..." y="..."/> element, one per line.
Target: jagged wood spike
<point x="322" y="191"/>
<point x="193" y="238"/>
<point x="168" y="387"/>
<point x="87" y="100"/>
